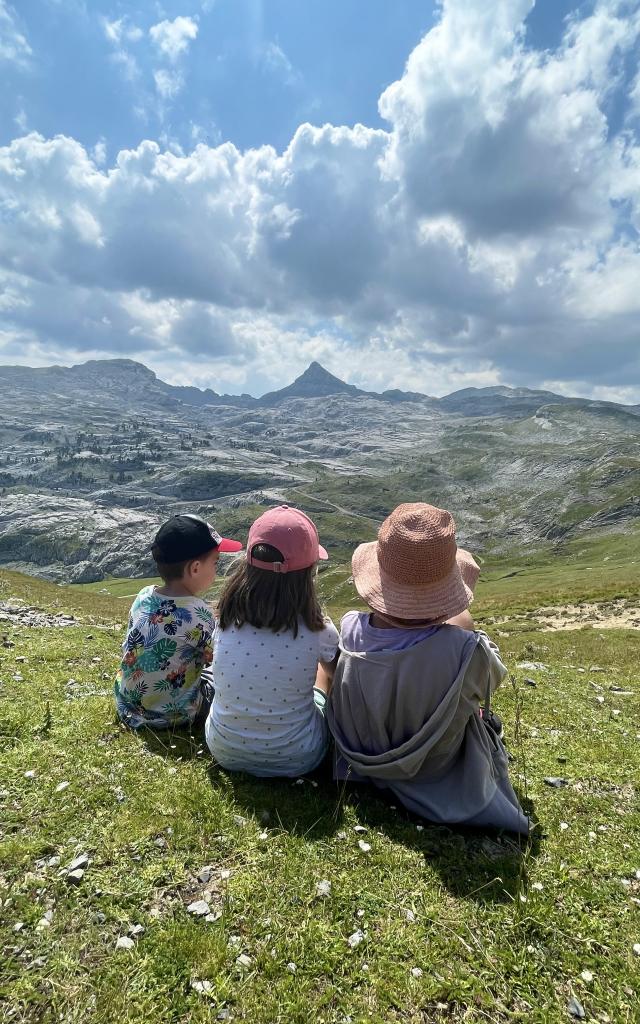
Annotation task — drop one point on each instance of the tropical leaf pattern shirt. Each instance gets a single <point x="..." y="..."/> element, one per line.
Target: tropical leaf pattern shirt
<point x="168" y="644"/>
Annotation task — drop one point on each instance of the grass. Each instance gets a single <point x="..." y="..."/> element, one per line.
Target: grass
<point x="500" y="931"/>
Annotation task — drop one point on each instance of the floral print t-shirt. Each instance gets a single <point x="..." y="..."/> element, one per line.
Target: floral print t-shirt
<point x="168" y="644"/>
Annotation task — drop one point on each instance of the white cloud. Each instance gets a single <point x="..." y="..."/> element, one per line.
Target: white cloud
<point x="121" y="30"/>
<point x="14" y="47"/>
<point x="172" y="38"/>
<point x="490" y="234"/>
<point x="274" y="59"/>
<point x="168" y="83"/>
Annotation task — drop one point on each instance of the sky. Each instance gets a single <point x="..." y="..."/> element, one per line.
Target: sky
<point x="418" y="195"/>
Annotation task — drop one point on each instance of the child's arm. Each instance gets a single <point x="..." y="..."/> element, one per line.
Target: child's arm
<point x="464" y="620"/>
<point x="324" y="675"/>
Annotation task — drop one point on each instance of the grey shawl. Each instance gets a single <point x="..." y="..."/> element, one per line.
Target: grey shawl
<point x="408" y="721"/>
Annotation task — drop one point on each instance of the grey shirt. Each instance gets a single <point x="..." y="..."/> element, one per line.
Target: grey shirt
<point x="408" y="720"/>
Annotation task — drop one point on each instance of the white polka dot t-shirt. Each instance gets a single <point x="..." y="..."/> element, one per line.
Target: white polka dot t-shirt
<point x="264" y="719"/>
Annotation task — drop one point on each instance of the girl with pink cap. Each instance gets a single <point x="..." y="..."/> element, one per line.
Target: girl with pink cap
<point x="274" y="653"/>
<point x="405" y="706"/>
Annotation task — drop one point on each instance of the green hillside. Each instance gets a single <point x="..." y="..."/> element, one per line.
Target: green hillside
<point x="455" y="925"/>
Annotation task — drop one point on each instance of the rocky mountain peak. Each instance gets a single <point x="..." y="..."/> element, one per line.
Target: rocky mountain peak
<point x="315" y="382"/>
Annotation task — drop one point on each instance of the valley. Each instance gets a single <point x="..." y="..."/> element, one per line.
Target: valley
<point x="113" y="451"/>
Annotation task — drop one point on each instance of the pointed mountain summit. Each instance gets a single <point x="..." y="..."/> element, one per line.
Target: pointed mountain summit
<point x="315" y="382"/>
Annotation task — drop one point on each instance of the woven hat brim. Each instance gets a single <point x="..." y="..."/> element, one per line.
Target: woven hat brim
<point x="441" y="600"/>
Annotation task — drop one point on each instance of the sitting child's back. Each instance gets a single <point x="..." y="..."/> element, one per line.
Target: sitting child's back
<point x="406" y="706"/>
<point x="267" y="717"/>
<point x="170" y="630"/>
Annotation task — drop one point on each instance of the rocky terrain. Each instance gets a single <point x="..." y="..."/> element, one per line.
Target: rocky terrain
<point x="93" y="457"/>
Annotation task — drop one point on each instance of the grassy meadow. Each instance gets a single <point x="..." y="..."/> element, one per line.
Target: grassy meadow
<point x="427" y="924"/>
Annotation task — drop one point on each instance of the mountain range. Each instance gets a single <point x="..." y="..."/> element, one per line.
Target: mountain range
<point x="93" y="457"/>
<point x="127" y="376"/>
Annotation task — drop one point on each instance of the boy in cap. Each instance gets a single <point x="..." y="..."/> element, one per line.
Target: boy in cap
<point x="169" y="636"/>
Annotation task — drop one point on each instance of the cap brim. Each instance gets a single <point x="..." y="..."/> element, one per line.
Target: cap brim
<point x="322" y="553"/>
<point x="229" y="545"/>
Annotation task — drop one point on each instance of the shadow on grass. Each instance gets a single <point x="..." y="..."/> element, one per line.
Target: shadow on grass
<point x="307" y="807"/>
<point x="481" y="864"/>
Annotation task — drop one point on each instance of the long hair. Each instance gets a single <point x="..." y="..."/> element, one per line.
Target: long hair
<point x="270" y="600"/>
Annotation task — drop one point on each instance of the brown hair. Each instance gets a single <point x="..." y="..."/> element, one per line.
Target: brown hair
<point x="169" y="571"/>
<point x="270" y="600"/>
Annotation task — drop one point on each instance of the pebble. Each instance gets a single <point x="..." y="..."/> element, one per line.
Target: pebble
<point x="291" y="967"/>
<point x="244" y="960"/>
<point x="81" y="861"/>
<point x="586" y="976"/>
<point x="160" y="843"/>
<point x="564" y="825"/>
<point x="43" y="923"/>
<point x="576" y="1009"/>
<point x="636" y="948"/>
<point x="239" y="820"/>
<point x="360" y="828"/>
<point x="75" y="877"/>
<point x="53" y="862"/>
<point x="530" y="682"/>
<point x="416" y="972"/>
<point x="409" y="916"/>
<point x="124" y="942"/>
<point x="365" y="847"/>
<point x="355" y="939"/>
<point x="18" y="926"/>
<point x="135" y="930"/>
<point x="60" y="788"/>
<point x="205" y="875"/>
<point x="323" y="888"/>
<point x="202" y="987"/>
<point x="556" y="782"/>
<point x="199" y="908"/>
<point x="30" y="774"/>
<point x="212" y="918"/>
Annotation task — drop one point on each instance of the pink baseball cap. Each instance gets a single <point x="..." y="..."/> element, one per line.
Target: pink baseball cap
<point x="291" y="532"/>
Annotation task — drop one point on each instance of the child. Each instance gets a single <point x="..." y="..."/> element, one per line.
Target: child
<point x="168" y="641"/>
<point x="272" y="644"/>
<point x="405" y="703"/>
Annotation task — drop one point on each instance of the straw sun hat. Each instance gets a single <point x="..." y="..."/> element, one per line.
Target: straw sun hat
<point x="415" y="569"/>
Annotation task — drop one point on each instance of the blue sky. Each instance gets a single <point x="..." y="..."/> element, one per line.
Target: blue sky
<point x="481" y="226"/>
<point x="255" y="71"/>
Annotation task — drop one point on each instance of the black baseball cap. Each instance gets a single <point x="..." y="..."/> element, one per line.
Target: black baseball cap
<point x="187" y="536"/>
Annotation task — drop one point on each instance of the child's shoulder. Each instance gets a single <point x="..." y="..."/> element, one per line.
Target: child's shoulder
<point x="143" y="595"/>
<point x="349" y="619"/>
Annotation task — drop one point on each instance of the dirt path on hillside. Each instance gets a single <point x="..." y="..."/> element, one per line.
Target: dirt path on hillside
<point x="620" y="614"/>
